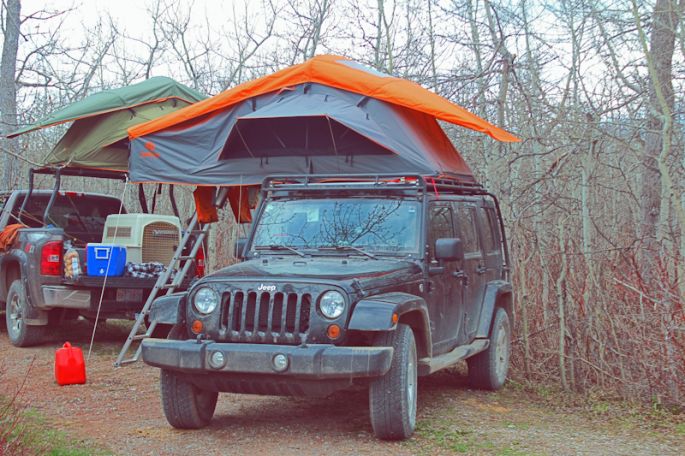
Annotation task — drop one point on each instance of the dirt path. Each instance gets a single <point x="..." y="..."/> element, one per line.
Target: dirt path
<point x="119" y="410"/>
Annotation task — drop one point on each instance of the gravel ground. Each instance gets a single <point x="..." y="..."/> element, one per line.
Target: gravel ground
<point x="119" y="410"/>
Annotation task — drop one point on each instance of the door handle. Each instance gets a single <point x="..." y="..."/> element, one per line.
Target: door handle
<point x="481" y="269"/>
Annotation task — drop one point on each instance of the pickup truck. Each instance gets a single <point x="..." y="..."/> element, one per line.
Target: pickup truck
<point x="33" y="289"/>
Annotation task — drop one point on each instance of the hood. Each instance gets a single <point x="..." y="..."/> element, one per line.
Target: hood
<point x="367" y="272"/>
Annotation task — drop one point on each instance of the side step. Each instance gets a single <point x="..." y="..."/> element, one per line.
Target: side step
<point x="429" y="365"/>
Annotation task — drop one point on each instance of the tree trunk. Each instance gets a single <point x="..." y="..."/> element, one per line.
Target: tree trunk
<point x="659" y="130"/>
<point x="506" y="62"/>
<point x="561" y="302"/>
<point x="8" y="91"/>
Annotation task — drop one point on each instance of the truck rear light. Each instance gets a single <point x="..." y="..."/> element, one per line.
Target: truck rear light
<point x="71" y="194"/>
<point x="200" y="262"/>
<point x="51" y="259"/>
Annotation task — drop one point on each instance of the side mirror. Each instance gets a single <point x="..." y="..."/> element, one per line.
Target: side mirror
<point x="449" y="249"/>
<point x="240" y="248"/>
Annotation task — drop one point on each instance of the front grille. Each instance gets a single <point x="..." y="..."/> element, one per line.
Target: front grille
<point x="266" y="317"/>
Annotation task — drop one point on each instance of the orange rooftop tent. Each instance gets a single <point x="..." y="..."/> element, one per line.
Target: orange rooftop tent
<point x="328" y="115"/>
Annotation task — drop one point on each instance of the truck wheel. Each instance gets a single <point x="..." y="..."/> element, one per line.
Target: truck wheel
<point x="20" y="334"/>
<point x="488" y="369"/>
<point x="392" y="397"/>
<point x="185" y="405"/>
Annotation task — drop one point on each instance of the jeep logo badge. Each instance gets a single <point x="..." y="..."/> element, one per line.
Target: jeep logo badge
<point x="263" y="287"/>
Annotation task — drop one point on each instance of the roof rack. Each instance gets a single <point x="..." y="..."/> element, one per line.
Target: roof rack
<point x="448" y="184"/>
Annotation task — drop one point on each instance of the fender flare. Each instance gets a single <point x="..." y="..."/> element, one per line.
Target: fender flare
<point x="497" y="291"/>
<point x="13" y="257"/>
<point x="375" y="313"/>
<point x="168" y="309"/>
<point x="35" y="316"/>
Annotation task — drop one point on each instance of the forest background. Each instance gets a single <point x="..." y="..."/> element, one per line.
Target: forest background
<point x="593" y="196"/>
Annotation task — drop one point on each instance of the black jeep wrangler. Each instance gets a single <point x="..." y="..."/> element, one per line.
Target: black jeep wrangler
<point x="367" y="280"/>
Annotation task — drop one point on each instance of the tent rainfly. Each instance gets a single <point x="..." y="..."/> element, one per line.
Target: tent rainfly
<point x="98" y="136"/>
<point x="329" y="115"/>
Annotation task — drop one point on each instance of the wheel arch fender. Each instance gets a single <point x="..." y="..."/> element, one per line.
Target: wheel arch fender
<point x="11" y="269"/>
<point x="376" y="314"/>
<point x="169" y="309"/>
<point x="498" y="293"/>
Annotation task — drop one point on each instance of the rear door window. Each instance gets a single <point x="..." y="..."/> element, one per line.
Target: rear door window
<point x="440" y="226"/>
<point x="466" y="221"/>
<point x="490" y="228"/>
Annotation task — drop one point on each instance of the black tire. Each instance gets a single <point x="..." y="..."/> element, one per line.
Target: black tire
<point x="19" y="333"/>
<point x="488" y="369"/>
<point x="392" y="397"/>
<point x="185" y="405"/>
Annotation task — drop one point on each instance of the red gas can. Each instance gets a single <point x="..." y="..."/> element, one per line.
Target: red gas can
<point x="70" y="368"/>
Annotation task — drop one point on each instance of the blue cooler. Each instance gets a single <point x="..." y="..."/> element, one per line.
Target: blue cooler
<point x="100" y="255"/>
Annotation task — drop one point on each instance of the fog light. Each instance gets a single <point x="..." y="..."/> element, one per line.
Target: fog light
<point x="217" y="360"/>
<point x="280" y="362"/>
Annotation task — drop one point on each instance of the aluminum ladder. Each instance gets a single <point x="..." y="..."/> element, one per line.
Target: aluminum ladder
<point x="165" y="282"/>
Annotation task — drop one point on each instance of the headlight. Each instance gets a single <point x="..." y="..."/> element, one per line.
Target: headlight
<point x="206" y="300"/>
<point x="332" y="304"/>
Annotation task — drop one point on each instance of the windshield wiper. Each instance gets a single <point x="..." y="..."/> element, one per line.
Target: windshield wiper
<point x="279" y="247"/>
<point x="339" y="248"/>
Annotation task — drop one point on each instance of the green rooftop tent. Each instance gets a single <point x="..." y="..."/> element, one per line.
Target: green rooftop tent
<point x="98" y="137"/>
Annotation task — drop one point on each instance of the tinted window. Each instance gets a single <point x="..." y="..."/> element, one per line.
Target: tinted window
<point x="466" y="220"/>
<point x="440" y="226"/>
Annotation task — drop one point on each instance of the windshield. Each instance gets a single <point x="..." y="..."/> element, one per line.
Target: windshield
<point x="372" y="224"/>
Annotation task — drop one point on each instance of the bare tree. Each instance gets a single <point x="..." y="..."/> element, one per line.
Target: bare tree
<point x="8" y="89"/>
<point x="659" y="126"/>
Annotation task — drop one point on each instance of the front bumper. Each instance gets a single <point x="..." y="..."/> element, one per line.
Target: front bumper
<point x="316" y="361"/>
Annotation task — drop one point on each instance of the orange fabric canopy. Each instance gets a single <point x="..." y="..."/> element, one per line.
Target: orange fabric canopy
<point x="341" y="73"/>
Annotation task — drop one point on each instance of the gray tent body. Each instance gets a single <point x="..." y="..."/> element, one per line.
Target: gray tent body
<point x="309" y="128"/>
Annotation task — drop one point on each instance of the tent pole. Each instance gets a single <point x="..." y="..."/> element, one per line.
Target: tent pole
<point x="243" y="140"/>
<point x="172" y="199"/>
<point x="142" y="199"/>
<point x="330" y="129"/>
<point x="154" y="197"/>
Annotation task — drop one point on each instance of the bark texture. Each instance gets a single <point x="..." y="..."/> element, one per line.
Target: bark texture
<point x="659" y="130"/>
<point x="8" y="91"/>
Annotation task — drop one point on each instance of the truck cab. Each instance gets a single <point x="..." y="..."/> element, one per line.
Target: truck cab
<point x="365" y="280"/>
